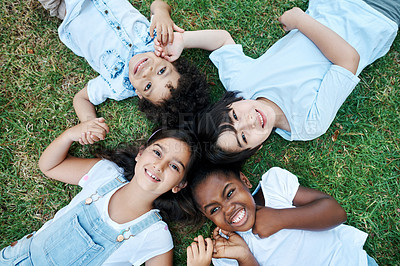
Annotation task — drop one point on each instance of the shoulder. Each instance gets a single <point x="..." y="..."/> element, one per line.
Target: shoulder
<point x="103" y="169"/>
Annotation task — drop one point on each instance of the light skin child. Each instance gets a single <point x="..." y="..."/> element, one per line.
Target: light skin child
<point x="152" y="79"/>
<point x="254" y="120"/>
<point x="164" y="160"/>
<point x="227" y="201"/>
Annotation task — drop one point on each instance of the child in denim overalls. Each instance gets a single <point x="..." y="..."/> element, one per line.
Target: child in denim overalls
<point x="114" y="220"/>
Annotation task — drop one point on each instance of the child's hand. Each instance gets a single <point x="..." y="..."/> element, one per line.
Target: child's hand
<point x="165" y="27"/>
<point x="233" y="248"/>
<point x="89" y="132"/>
<point x="172" y="51"/>
<point x="267" y="222"/>
<point x="200" y="252"/>
<point x="291" y="18"/>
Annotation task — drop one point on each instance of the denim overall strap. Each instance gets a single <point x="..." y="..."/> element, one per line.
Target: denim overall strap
<point x="81" y="236"/>
<point x="140" y="226"/>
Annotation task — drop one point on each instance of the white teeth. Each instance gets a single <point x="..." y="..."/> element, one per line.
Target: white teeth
<point x="261" y="118"/>
<point x="140" y="65"/>
<point x="152" y="176"/>
<point x="239" y="216"/>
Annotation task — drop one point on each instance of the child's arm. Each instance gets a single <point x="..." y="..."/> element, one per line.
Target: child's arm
<point x="232" y="248"/>
<point x="83" y="107"/>
<point x="161" y="20"/>
<point x="314" y="210"/>
<point x="163" y="259"/>
<point x="55" y="161"/>
<point x="334" y="47"/>
<point x="200" y="252"/>
<point x="209" y="40"/>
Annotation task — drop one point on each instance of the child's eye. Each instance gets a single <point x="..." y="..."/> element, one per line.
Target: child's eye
<point x="213" y="210"/>
<point x="175" y="167"/>
<point x="230" y="193"/>
<point x="162" y="70"/>
<point x="148" y="86"/>
<point x="244" y="138"/>
<point x="156" y="152"/>
<point x="234" y="115"/>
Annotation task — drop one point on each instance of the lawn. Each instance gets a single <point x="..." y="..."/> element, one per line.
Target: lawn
<point x="357" y="161"/>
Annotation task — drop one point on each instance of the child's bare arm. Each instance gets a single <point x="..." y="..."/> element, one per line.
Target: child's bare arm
<point x="209" y="40"/>
<point x="314" y="210"/>
<point x="84" y="109"/>
<point x="232" y="248"/>
<point x="334" y="47"/>
<point x="200" y="252"/>
<point x="161" y="20"/>
<point x="55" y="161"/>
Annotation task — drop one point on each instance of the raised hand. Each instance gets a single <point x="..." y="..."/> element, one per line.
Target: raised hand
<point x="200" y="252"/>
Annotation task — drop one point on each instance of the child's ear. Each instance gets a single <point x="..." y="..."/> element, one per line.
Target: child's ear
<point x="141" y="149"/>
<point x="178" y="188"/>
<point x="245" y="180"/>
<point x="139" y="94"/>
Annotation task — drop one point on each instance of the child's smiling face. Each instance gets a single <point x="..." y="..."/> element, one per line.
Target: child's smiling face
<point x="152" y="77"/>
<point x="227" y="201"/>
<point x="162" y="166"/>
<point x="253" y="121"/>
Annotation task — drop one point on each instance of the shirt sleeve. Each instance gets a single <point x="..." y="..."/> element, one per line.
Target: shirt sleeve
<point x="224" y="262"/>
<point x="230" y="60"/>
<point x="100" y="89"/>
<point x="279" y="188"/>
<point x="101" y="171"/>
<point x="159" y="242"/>
<point x="335" y="87"/>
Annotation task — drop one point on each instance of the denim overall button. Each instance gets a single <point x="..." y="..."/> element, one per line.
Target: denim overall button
<point x="120" y="238"/>
<point x="88" y="201"/>
<point x="13" y="243"/>
<point x="106" y="12"/>
<point x="130" y="45"/>
<point x="29" y="236"/>
<point x="118" y="27"/>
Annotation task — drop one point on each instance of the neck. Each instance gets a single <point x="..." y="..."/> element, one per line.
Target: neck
<point x="129" y="203"/>
<point x="280" y="120"/>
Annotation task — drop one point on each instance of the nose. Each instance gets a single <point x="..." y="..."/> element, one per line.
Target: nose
<point x="159" y="166"/>
<point x="248" y="123"/>
<point x="229" y="208"/>
<point x="148" y="71"/>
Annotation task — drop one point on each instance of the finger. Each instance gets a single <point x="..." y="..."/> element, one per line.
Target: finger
<point x="96" y="136"/>
<point x="216" y="232"/>
<point x="189" y="253"/>
<point x="164" y="35"/>
<point x="195" y="248"/>
<point x="170" y="35"/>
<point x="152" y="30"/>
<point x="210" y="246"/>
<point x="201" y="244"/>
<point x="178" y="29"/>
<point x="84" y="138"/>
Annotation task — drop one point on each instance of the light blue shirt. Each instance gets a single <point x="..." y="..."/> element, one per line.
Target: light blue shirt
<point x="296" y="76"/>
<point x="107" y="34"/>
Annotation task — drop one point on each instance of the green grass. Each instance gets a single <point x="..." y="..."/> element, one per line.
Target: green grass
<point x="39" y="76"/>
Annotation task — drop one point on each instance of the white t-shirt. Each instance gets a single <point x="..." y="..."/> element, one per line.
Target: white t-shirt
<point x="295" y="75"/>
<point x="342" y="245"/>
<point x="151" y="242"/>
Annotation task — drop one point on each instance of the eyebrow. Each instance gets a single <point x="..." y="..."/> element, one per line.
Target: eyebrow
<point x="178" y="161"/>
<point x="222" y="195"/>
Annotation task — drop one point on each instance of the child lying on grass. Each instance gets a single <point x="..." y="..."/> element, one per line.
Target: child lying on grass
<point x="117" y="42"/>
<point x="297" y="86"/>
<point x="283" y="223"/>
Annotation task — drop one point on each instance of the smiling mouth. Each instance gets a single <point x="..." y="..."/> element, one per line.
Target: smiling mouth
<point x="239" y="217"/>
<point x="152" y="176"/>
<point x="261" y="117"/>
<point x="139" y="65"/>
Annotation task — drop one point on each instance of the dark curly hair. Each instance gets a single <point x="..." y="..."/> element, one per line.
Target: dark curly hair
<point x="172" y="206"/>
<point x="189" y="97"/>
<point x="200" y="172"/>
<point x="211" y="123"/>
